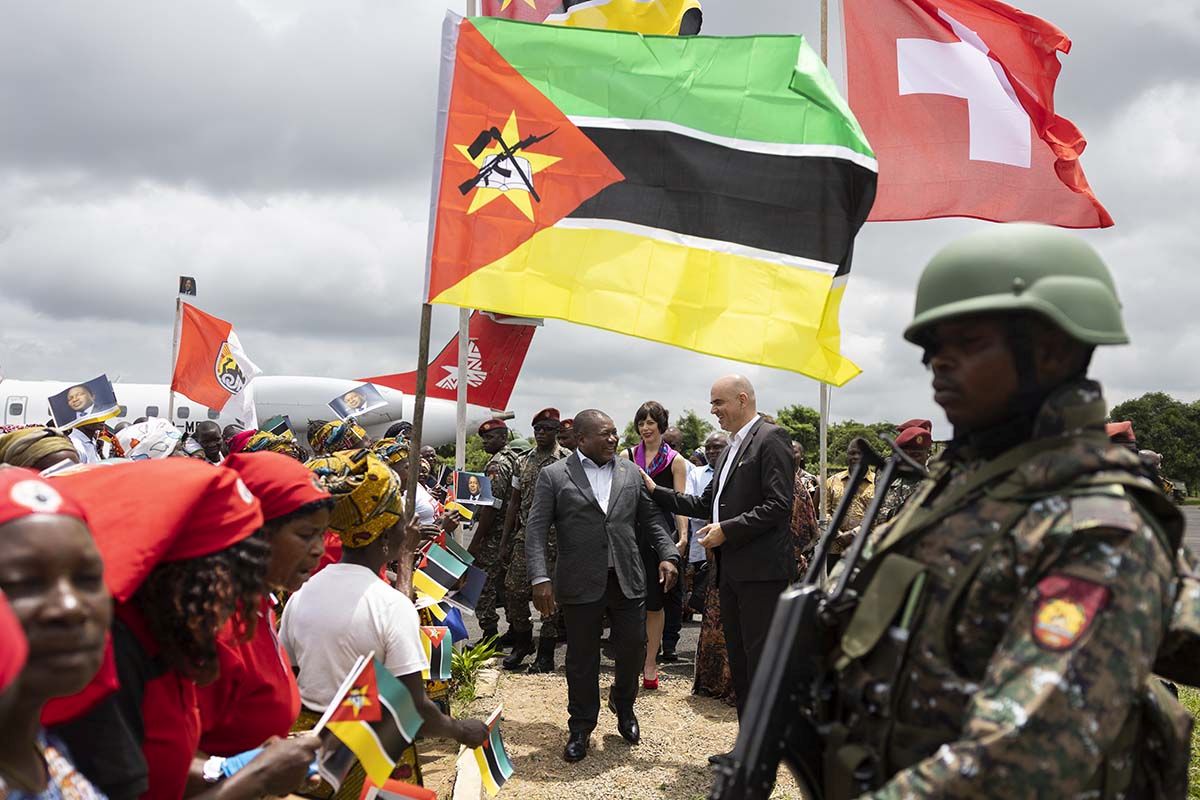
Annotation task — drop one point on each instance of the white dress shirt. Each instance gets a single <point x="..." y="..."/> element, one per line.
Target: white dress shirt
<point x="731" y="454"/>
<point x="697" y="481"/>
<point x="599" y="478"/>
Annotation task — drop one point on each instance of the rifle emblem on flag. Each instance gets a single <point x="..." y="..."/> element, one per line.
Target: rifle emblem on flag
<point x="500" y="171"/>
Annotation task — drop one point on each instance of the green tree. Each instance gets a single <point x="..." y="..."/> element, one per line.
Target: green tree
<point x="629" y="437"/>
<point x="841" y="433"/>
<point x="476" y="459"/>
<point x="694" y="429"/>
<point x="1167" y="426"/>
<point x="803" y="424"/>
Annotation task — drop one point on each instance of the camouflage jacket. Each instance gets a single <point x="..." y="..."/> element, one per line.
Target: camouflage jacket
<point x="1007" y="633"/>
<point x="504" y="465"/>
<point x="528" y="470"/>
<point x="895" y="498"/>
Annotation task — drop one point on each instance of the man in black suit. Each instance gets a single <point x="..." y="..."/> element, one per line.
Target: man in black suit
<point x="750" y="503"/>
<point x="602" y="514"/>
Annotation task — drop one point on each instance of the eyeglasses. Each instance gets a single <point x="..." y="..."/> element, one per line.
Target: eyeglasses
<point x="544" y="427"/>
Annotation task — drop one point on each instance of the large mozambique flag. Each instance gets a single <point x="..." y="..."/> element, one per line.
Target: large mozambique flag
<point x="644" y="16"/>
<point x="703" y="192"/>
<point x="377" y="721"/>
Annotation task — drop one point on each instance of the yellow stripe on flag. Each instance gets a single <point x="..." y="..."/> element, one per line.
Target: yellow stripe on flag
<point x="423" y="583"/>
<point x="489" y="782"/>
<point x="359" y="737"/>
<point x="727" y="304"/>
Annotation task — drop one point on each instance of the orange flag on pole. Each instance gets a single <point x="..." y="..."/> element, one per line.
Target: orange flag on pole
<point x="211" y="367"/>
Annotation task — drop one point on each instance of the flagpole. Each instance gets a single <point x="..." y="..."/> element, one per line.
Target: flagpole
<point x="460" y="434"/>
<point x="824" y="426"/>
<point x="418" y="421"/>
<point x="174" y="358"/>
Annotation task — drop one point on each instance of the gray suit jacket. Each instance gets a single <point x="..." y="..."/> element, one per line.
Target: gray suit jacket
<point x="563" y="498"/>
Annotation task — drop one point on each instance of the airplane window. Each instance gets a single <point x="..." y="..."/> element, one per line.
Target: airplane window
<point x="214" y="414"/>
<point x="15" y="409"/>
<point x="183" y="412"/>
<point x="151" y="411"/>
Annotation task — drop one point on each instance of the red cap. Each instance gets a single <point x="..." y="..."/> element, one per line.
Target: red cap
<point x="239" y="440"/>
<point x="544" y="414"/>
<point x="492" y="425"/>
<point x="13" y="646"/>
<point x="281" y="484"/>
<point x="916" y="423"/>
<point x="24" y="493"/>
<point x="914" y="439"/>
<point x="143" y="513"/>
<point x="1120" y="432"/>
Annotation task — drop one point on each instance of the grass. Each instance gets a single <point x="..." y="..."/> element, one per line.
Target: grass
<point x="1191" y="700"/>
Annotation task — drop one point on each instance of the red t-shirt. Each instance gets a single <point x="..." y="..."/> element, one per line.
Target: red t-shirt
<point x="255" y="696"/>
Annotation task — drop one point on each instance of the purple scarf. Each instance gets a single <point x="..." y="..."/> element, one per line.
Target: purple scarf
<point x="662" y="459"/>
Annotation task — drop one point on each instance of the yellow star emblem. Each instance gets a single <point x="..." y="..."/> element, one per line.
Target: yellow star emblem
<point x="513" y="188"/>
<point x="357" y="699"/>
<point x="531" y="3"/>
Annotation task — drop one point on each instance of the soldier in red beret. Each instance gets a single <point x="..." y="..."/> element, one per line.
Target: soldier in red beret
<point x="485" y="542"/>
<point x="916" y="442"/>
<point x="1122" y="433"/>
<point x="916" y="423"/>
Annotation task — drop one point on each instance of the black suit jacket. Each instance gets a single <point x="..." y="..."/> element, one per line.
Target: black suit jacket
<point x="756" y="507"/>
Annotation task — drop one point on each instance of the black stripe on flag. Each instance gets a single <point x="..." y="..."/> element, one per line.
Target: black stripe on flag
<point x="493" y="765"/>
<point x="806" y="206"/>
<point x="387" y="730"/>
<point x="438" y="575"/>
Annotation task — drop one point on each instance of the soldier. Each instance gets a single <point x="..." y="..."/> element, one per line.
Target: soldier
<point x="835" y="488"/>
<point x="1013" y="611"/>
<point x="485" y="543"/>
<point x="518" y="593"/>
<point x="916" y="443"/>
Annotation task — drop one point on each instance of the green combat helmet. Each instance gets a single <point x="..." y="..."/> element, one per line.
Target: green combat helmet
<point x="1021" y="268"/>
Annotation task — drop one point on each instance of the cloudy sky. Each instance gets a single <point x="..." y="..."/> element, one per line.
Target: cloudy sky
<point x="279" y="151"/>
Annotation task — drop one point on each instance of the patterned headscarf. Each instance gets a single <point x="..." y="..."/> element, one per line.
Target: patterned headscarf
<point x="393" y="451"/>
<point x="334" y="436"/>
<point x="367" y="495"/>
<point x="267" y="442"/>
<point x="27" y="446"/>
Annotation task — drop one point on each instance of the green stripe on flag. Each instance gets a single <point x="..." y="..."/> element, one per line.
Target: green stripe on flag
<point x="438" y="555"/>
<point x="752" y="88"/>
<point x="397" y="699"/>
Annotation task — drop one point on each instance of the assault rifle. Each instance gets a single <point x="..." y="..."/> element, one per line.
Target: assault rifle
<point x="792" y="690"/>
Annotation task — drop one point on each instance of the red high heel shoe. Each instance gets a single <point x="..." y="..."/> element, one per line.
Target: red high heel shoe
<point x="650" y="683"/>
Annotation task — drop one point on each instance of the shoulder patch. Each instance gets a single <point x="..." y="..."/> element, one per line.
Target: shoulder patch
<point x="1065" y="609"/>
<point x="1113" y="511"/>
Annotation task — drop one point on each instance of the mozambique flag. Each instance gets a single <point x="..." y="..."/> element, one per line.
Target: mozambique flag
<point x="439" y="650"/>
<point x="437" y="572"/>
<point x="702" y="192"/>
<point x="494" y="765"/>
<point x="379" y="740"/>
<point x="644" y="16"/>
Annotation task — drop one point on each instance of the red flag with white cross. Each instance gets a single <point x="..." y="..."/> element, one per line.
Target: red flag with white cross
<point x="957" y="100"/>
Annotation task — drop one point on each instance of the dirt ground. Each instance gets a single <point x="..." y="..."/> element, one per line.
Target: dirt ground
<point x="679" y="732"/>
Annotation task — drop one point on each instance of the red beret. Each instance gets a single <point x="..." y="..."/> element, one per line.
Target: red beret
<point x="239" y="440"/>
<point x="916" y="423"/>
<point x="280" y="483"/>
<point x="13" y="646"/>
<point x="914" y="439"/>
<point x="1120" y="431"/>
<point x="492" y="425"/>
<point x="544" y="414"/>
<point x="568" y="424"/>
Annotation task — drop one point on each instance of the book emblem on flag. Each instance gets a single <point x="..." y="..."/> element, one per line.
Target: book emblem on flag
<point x="228" y="371"/>
<point x="476" y="374"/>
<point x="501" y="171"/>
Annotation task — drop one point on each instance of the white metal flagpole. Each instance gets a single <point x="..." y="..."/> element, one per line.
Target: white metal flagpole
<point x="464" y="343"/>
<point x="174" y="357"/>
<point x="824" y="427"/>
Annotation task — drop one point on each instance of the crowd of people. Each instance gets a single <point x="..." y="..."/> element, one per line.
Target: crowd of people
<point x="177" y="611"/>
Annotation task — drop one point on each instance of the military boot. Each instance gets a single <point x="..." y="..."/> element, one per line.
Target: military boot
<point x="522" y="647"/>
<point x="545" y="655"/>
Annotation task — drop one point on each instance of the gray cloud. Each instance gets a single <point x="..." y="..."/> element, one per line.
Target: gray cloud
<point x="280" y="153"/>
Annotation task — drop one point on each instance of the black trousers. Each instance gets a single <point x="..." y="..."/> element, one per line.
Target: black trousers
<point x="673" y="614"/>
<point x="746" y="611"/>
<point x="585" y="627"/>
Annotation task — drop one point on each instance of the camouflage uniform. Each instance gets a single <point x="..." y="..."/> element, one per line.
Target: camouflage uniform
<point x="895" y="498"/>
<point x="1006" y="638"/>
<point x="517" y="589"/>
<point x="504" y="463"/>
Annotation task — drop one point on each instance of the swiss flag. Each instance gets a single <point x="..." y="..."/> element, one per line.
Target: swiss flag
<point x="211" y="368"/>
<point x="957" y="100"/>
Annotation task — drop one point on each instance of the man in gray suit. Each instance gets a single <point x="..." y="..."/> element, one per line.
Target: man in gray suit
<point x="603" y="515"/>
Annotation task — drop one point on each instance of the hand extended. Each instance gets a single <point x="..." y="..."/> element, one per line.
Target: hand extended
<point x="646" y="479"/>
<point x="711" y="535"/>
<point x="283" y="765"/>
<point x="543" y="598"/>
<point x="412" y="535"/>
<point x="471" y="733"/>
<point x="667" y="575"/>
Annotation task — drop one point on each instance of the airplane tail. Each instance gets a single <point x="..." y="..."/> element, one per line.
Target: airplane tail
<point x="497" y="349"/>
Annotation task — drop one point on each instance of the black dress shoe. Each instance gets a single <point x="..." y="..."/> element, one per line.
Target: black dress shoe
<point x="719" y="757"/>
<point x="522" y="648"/>
<point x="576" y="749"/>
<point x="668" y="655"/>
<point x="627" y="724"/>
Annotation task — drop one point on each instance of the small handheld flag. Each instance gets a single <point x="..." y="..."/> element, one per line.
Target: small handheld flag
<point x="466" y="596"/>
<point x="439" y="649"/>
<point x="494" y="765"/>
<point x="392" y="790"/>
<point x="437" y="572"/>
<point x="378" y="744"/>
<point x="456" y="549"/>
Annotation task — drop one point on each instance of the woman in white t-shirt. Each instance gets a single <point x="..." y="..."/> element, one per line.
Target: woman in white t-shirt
<point x="346" y="610"/>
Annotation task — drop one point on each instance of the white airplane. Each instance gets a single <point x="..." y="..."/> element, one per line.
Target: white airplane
<point x="495" y="355"/>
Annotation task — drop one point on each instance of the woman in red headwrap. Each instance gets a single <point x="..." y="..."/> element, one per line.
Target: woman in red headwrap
<point x="255" y="697"/>
<point x="183" y="554"/>
<point x="53" y="575"/>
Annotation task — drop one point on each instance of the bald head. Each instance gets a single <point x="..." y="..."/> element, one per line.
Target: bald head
<point x="733" y="402"/>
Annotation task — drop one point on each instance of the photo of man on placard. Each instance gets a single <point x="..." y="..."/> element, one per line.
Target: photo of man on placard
<point x="357" y="401"/>
<point x="473" y="488"/>
<point x="90" y="401"/>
